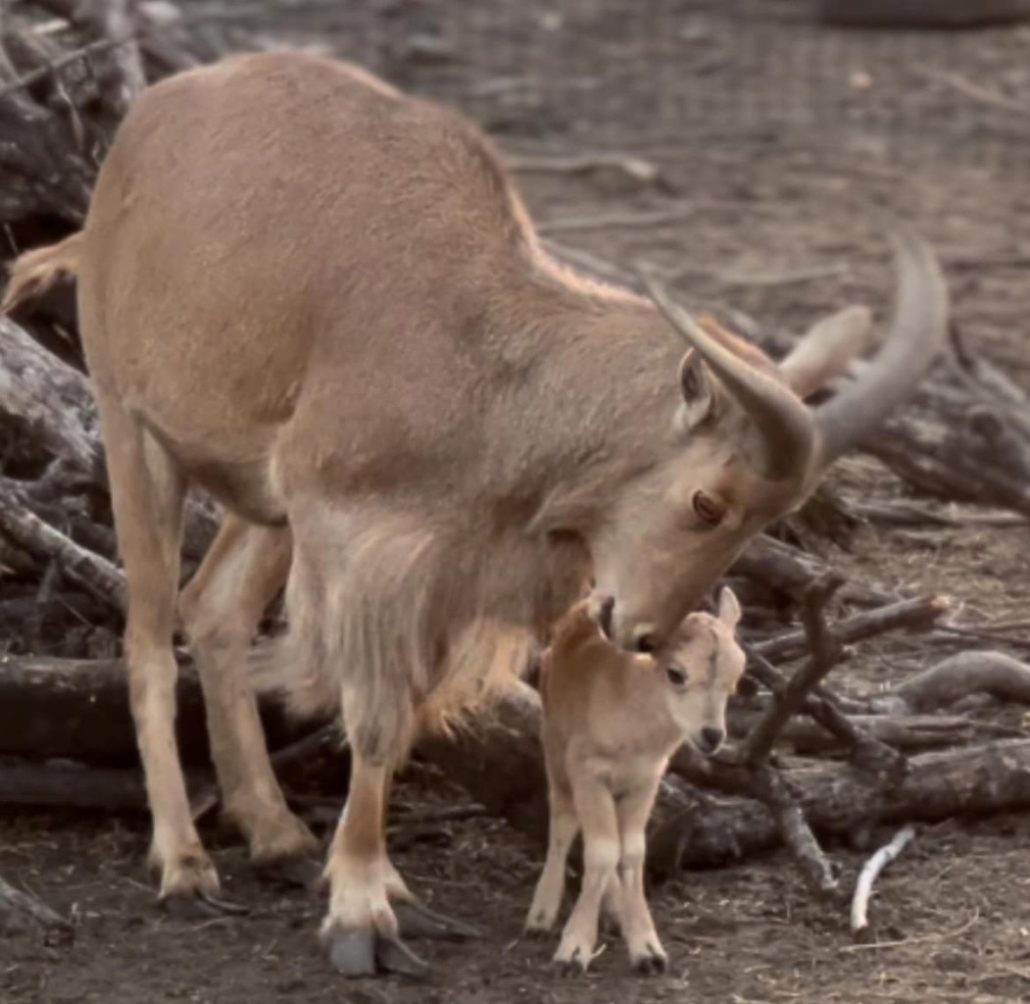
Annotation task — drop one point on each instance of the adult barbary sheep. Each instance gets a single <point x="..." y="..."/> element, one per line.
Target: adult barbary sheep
<point x="323" y="301"/>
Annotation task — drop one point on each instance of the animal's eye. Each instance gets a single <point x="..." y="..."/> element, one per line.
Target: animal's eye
<point x="707" y="508"/>
<point x="676" y="676"/>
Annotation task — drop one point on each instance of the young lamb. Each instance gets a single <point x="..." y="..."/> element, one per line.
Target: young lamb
<point x="611" y="722"/>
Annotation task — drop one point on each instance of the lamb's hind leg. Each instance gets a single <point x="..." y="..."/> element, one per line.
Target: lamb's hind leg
<point x="563" y="826"/>
<point x="244" y="568"/>
<point x="147" y="493"/>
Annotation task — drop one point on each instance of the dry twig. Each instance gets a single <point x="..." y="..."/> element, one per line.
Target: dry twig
<point x="872" y="868"/>
<point x="825" y="648"/>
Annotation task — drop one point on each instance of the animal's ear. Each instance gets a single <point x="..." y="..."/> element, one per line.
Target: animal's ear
<point x="697" y="389"/>
<point x="827" y="349"/>
<point x="729" y="607"/>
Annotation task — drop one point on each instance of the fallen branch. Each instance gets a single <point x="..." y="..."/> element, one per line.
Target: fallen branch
<point x="50" y="405"/>
<point x="96" y="575"/>
<point x="913" y="615"/>
<point x="48" y="400"/>
<point x="825" y="650"/>
<point x="20" y="912"/>
<point x="64" y="784"/>
<point x="870" y="871"/>
<point x="955" y="678"/>
<point x="873" y="742"/>
<point x="66" y="59"/>
<point x="869" y="740"/>
<point x="838" y="802"/>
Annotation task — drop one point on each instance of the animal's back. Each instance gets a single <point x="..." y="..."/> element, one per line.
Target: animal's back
<point x="269" y="229"/>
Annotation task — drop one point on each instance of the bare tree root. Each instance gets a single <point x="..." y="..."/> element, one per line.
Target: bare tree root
<point x="957" y="677"/>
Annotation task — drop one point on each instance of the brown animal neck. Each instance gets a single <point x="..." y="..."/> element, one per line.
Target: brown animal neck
<point x="608" y="417"/>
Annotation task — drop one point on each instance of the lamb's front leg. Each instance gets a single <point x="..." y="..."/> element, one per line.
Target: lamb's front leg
<point x="645" y="950"/>
<point x="596" y="810"/>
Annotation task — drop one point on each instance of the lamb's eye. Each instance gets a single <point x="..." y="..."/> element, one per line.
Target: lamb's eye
<point x="676" y="676"/>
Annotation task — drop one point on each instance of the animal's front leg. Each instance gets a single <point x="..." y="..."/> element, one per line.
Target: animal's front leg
<point x="361" y="930"/>
<point x="596" y="810"/>
<point x="645" y="949"/>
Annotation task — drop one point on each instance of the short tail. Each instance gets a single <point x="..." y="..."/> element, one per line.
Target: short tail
<point x="35" y="271"/>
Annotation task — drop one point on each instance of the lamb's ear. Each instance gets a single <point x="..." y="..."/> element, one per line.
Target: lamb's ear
<point x="698" y="398"/>
<point x="729" y="607"/>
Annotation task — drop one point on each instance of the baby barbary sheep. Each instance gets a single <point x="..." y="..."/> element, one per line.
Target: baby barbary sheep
<point x="611" y="722"/>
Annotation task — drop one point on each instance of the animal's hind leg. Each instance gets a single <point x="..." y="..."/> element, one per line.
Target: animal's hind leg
<point x="147" y="492"/>
<point x="563" y="825"/>
<point x="221" y="608"/>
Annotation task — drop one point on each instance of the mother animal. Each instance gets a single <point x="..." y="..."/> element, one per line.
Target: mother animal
<point x="323" y="301"/>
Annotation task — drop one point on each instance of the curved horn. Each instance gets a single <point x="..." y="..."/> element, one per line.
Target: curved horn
<point x="786" y="433"/>
<point x="917" y="334"/>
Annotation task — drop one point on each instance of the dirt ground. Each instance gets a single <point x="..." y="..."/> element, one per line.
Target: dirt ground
<point x="952" y="919"/>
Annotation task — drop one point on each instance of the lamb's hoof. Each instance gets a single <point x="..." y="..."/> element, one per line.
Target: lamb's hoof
<point x="295" y="872"/>
<point x="575" y="965"/>
<point x="652" y="963"/>
<point x="536" y="930"/>
<point x="418" y="921"/>
<point x="365" y="952"/>
<point x="199" y="904"/>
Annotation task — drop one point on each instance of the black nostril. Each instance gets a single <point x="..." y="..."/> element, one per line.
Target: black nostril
<point x="647" y="643"/>
<point x="711" y="739"/>
<point x="607" y="609"/>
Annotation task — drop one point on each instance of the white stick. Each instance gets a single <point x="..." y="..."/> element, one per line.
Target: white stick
<point x="872" y="868"/>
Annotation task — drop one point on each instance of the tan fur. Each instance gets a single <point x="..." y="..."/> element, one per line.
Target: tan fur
<point x="611" y="722"/>
<point x="323" y="301"/>
<point x="36" y="271"/>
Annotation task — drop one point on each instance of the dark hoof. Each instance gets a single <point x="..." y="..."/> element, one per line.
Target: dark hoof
<point x="352" y="953"/>
<point x="293" y="872"/>
<point x="569" y="968"/>
<point x="652" y="964"/>
<point x="200" y="906"/>
<point x="417" y="921"/>
<point x="536" y="932"/>
<point x="364" y="952"/>
<point x="393" y="956"/>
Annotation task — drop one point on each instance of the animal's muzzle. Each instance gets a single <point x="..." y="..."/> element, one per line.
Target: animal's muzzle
<point x="710" y="740"/>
